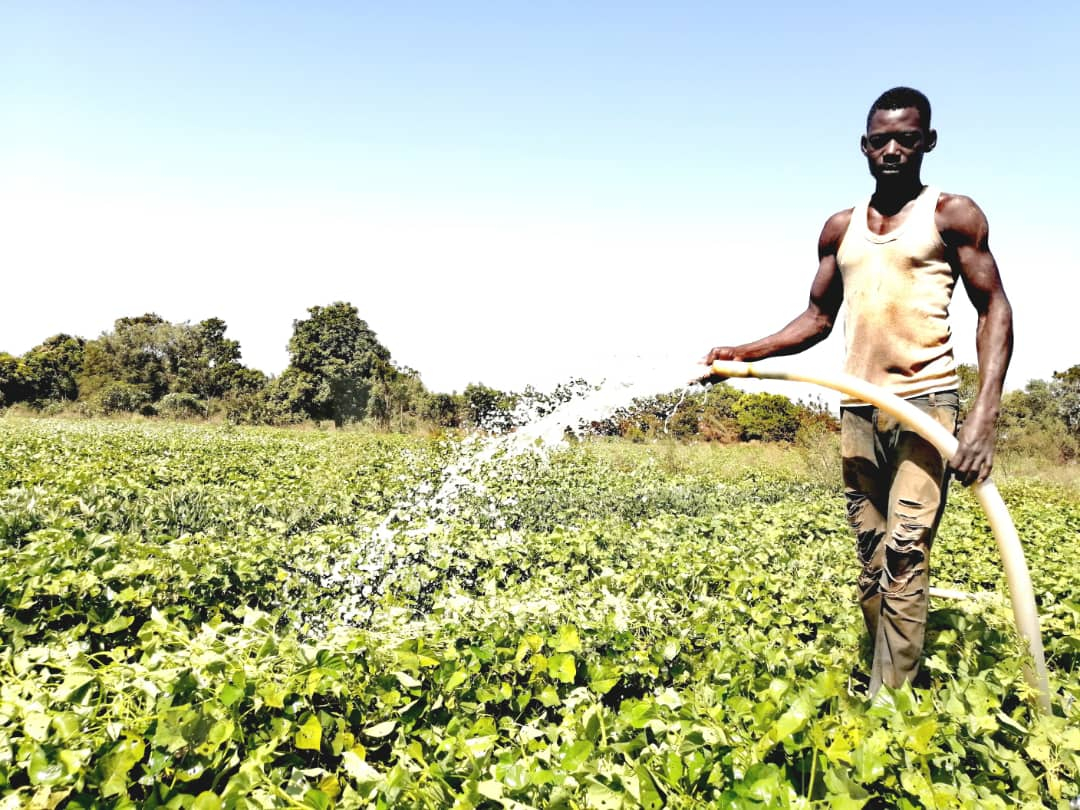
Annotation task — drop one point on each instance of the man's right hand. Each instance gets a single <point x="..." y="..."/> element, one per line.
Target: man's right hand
<point x="718" y="353"/>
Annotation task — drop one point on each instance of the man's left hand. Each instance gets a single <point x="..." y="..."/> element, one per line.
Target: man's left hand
<point x="974" y="457"/>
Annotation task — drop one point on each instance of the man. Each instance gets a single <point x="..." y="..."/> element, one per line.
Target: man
<point x="894" y="261"/>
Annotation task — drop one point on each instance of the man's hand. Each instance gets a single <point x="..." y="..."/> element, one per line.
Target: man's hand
<point x="705" y="376"/>
<point x="975" y="456"/>
<point x="719" y="353"/>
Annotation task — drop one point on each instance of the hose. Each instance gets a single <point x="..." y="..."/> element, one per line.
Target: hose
<point x="1021" y="593"/>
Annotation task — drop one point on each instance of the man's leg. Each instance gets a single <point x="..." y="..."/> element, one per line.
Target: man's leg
<point x="915" y="504"/>
<point x="866" y="489"/>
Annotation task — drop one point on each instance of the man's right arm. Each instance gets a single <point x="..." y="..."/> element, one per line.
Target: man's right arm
<point x="816" y="321"/>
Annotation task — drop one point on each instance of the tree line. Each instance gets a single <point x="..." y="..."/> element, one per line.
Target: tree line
<point x="1042" y="419"/>
<point x="339" y="371"/>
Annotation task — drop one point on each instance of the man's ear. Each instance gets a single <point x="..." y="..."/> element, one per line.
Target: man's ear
<point x="931" y="140"/>
<point x="864" y="145"/>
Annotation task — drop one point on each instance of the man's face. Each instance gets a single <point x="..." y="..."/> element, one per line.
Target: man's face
<point x="894" y="144"/>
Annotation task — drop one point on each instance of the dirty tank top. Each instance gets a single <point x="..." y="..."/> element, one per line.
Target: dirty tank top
<point x="897" y="290"/>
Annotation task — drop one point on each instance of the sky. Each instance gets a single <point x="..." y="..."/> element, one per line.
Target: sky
<point x="510" y="193"/>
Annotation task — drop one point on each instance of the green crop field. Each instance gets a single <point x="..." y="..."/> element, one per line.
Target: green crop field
<point x="205" y="617"/>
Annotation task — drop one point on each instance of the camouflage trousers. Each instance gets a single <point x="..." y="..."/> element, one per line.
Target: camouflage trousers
<point x="895" y="484"/>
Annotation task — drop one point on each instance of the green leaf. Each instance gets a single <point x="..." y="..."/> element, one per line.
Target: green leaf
<point x="73" y="682"/>
<point x="764" y="783"/>
<point x="309" y="735"/>
<point x="117" y="623"/>
<point x="456" y="679"/>
<point x="274" y="695"/>
<point x="549" y="696"/>
<point x="358" y="769"/>
<point x="566" y="640"/>
<point x="637" y="713"/>
<point x="649" y="795"/>
<point x="42" y="771"/>
<point x="490" y="789"/>
<point x="67" y="725"/>
<point x="603" y="685"/>
<point x="670" y="699"/>
<point x="206" y="801"/>
<point x="229" y="694"/>
<point x="561" y="667"/>
<point x="602" y="797"/>
<point x="382" y="729"/>
<point x="575" y="755"/>
<point x="844" y="802"/>
<point x="120" y="760"/>
<point x="794" y="719"/>
<point x="920" y="736"/>
<point x="36" y="725"/>
<point x="478" y="746"/>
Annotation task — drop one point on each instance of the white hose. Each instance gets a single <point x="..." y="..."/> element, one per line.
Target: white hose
<point x="1021" y="593"/>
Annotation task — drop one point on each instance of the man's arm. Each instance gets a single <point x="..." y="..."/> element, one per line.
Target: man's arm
<point x="816" y="321"/>
<point x="965" y="230"/>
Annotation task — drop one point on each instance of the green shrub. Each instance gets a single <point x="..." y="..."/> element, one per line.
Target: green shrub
<point x="121" y="397"/>
<point x="261" y="407"/>
<point x="771" y="417"/>
<point x="181" y="405"/>
<point x="53" y="407"/>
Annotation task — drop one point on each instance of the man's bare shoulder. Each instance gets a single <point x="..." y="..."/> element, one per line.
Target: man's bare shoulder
<point x="832" y="234"/>
<point x="959" y="218"/>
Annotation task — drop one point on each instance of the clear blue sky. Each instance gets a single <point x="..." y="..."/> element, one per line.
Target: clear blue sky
<point x="562" y="183"/>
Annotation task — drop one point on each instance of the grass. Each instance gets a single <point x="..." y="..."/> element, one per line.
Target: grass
<point x="814" y="459"/>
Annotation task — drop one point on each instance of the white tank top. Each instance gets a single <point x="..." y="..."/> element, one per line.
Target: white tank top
<point x="897" y="290"/>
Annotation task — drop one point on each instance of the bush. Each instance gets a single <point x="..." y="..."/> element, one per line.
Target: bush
<point x="53" y="407"/>
<point x="121" y="397"/>
<point x="181" y="405"/>
<point x="443" y="410"/>
<point x="259" y="408"/>
<point x="1045" y="440"/>
<point x="771" y="417"/>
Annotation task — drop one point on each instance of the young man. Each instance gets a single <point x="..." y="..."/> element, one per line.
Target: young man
<point x="894" y="261"/>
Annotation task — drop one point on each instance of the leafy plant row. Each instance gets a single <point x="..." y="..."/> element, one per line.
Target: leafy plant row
<point x="203" y="618"/>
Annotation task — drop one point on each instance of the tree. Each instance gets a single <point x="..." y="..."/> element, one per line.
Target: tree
<point x="13" y="380"/>
<point x="211" y="368"/>
<point x="334" y="356"/>
<point x="772" y="417"/>
<point x="488" y="408"/>
<point x="52" y="368"/>
<point x="969" y="387"/>
<point x="443" y="410"/>
<point x="140" y="351"/>
<point x="394" y="393"/>
<point x="1031" y="425"/>
<point x="159" y="358"/>
<point x="1066" y="392"/>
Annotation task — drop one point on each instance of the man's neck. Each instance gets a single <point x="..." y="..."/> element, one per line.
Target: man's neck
<point x="890" y="198"/>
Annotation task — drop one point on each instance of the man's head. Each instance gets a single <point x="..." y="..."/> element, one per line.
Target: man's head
<point x="900" y="98"/>
<point x="898" y="134"/>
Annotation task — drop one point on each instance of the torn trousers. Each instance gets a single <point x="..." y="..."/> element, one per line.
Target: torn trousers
<point x="895" y="484"/>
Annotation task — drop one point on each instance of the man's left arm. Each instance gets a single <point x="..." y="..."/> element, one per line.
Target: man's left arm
<point x="965" y="230"/>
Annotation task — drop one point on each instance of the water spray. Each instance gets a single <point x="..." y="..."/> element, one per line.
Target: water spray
<point x="1021" y="593"/>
